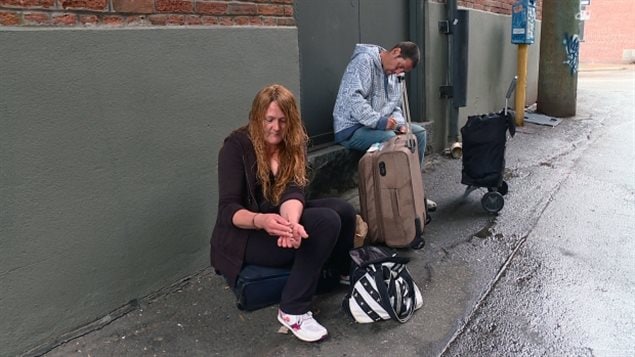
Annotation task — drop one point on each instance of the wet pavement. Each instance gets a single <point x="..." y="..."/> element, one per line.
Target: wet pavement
<point x="551" y="274"/>
<point x="570" y="288"/>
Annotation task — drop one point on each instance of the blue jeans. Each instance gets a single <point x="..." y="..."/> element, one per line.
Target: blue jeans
<point x="364" y="137"/>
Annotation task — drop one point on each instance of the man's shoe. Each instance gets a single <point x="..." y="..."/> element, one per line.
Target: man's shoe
<point x="432" y="206"/>
<point x="345" y="280"/>
<point x="303" y="326"/>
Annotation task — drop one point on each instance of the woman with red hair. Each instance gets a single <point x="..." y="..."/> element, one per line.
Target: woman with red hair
<point x="264" y="217"/>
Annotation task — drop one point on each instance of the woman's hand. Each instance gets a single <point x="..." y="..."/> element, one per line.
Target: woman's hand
<point x="274" y="224"/>
<point x="289" y="234"/>
<point x="298" y="233"/>
<point x="292" y="210"/>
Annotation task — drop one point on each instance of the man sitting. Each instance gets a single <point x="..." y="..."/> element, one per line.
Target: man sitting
<point x="368" y="105"/>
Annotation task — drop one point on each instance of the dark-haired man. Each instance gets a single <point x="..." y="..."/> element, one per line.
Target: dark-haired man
<point x="368" y="105"/>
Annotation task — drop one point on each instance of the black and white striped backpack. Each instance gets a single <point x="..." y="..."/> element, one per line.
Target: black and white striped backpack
<point x="381" y="287"/>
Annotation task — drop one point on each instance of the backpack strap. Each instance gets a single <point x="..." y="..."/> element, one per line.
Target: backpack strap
<point x="385" y="297"/>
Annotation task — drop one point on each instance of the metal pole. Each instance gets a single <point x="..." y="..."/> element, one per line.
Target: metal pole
<point x="453" y="111"/>
<point x="519" y="103"/>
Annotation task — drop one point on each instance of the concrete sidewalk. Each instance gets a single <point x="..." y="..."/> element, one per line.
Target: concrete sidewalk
<point x="466" y="251"/>
<point x="604" y="67"/>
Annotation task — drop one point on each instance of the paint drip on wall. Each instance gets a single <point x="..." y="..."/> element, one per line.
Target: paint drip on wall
<point x="572" y="51"/>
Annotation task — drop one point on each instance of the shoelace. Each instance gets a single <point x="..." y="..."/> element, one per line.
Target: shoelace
<point x="304" y="317"/>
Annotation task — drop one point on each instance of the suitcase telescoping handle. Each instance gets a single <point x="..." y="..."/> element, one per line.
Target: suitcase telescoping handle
<point x="405" y="106"/>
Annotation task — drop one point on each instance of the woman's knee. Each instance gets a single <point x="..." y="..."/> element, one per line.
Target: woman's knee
<point x="323" y="222"/>
<point x="348" y="216"/>
<point x="344" y="209"/>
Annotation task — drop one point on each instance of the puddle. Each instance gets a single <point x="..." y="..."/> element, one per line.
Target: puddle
<point x="487" y="231"/>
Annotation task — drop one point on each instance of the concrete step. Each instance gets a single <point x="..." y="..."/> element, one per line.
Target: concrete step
<point x="333" y="169"/>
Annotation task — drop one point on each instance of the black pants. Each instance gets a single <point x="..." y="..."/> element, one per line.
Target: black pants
<point x="330" y="224"/>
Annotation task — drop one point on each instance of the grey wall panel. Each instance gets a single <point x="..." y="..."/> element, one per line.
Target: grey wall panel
<point x="491" y="66"/>
<point x="384" y="22"/>
<point x="108" y="147"/>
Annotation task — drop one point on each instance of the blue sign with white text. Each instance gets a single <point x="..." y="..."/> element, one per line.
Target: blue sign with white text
<point x="523" y="21"/>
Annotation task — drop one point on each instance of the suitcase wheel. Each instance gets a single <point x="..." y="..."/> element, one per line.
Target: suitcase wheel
<point x="492" y="202"/>
<point x="417" y="243"/>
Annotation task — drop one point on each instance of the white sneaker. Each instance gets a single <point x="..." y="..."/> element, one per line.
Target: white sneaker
<point x="432" y="206"/>
<point x="303" y="326"/>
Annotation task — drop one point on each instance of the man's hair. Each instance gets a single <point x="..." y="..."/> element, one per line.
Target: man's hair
<point x="409" y="50"/>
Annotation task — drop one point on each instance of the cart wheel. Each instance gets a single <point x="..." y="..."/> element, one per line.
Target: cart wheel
<point x="492" y="202"/>
<point x="468" y="190"/>
<point x="504" y="188"/>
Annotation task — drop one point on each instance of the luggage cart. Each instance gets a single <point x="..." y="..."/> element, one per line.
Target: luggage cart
<point x="483" y="151"/>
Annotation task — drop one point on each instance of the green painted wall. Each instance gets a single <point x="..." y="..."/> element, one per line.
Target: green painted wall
<point x="108" y="147"/>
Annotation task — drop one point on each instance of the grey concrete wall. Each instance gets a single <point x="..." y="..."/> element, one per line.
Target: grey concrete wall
<point x="492" y="62"/>
<point x="108" y="146"/>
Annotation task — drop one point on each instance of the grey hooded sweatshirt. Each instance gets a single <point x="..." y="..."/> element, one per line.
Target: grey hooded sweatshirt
<point x="367" y="96"/>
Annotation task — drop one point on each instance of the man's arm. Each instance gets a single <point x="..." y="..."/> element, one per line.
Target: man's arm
<point x="355" y="89"/>
<point x="398" y="115"/>
<point x="395" y="92"/>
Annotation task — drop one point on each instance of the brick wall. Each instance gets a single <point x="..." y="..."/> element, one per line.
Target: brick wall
<point x="125" y="13"/>
<point x="608" y="32"/>
<point x="495" y="6"/>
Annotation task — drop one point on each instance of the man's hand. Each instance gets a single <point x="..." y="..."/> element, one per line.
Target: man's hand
<point x="391" y="124"/>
